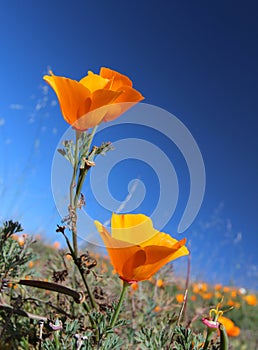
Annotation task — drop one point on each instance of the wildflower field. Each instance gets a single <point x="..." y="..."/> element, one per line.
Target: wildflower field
<point x="152" y="315"/>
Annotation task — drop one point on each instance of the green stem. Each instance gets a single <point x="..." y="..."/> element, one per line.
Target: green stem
<point x="118" y="308"/>
<point x="183" y="308"/>
<point x="81" y="178"/>
<point x="56" y="339"/>
<point x="72" y="205"/>
<point x="72" y="184"/>
<point x="208" y="338"/>
<point x="87" y="309"/>
<point x="86" y="306"/>
<point x="91" y="297"/>
<point x="223" y="337"/>
<point x="91" y="137"/>
<point x="80" y="183"/>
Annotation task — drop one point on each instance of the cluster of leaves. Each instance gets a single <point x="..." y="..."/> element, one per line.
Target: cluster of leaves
<point x="84" y="149"/>
<point x="165" y="336"/>
<point x="14" y="254"/>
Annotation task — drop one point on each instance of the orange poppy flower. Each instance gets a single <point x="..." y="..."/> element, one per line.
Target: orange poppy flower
<point x="217" y="286"/>
<point x="159" y="283"/>
<point x="56" y="245"/>
<point x="134" y="286"/>
<point x="226" y="289"/>
<point x="157" y="308"/>
<point x="136" y="249"/>
<point x="199" y="287"/>
<point x="180" y="298"/>
<point x="207" y="295"/>
<point x="251" y="299"/>
<point x="231" y="329"/>
<point x="31" y="264"/>
<point x="233" y="293"/>
<point x="80" y="101"/>
<point x="233" y="303"/>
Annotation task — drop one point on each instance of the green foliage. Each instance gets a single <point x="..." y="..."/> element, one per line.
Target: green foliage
<point x="168" y="336"/>
<point x="84" y="143"/>
<point x="184" y="339"/>
<point x="13" y="254"/>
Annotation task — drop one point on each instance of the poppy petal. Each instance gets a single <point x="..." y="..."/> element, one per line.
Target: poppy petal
<point x="132" y="228"/>
<point x="156" y="257"/>
<point x="116" y="79"/>
<point x="119" y="252"/>
<point x="128" y="98"/>
<point x="72" y="96"/>
<point x="104" y="97"/>
<point x="94" y="82"/>
<point x="231" y="329"/>
<point x="129" y="95"/>
<point x="131" y="264"/>
<point x="100" y="107"/>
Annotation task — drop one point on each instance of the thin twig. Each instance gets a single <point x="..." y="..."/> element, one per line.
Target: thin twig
<point x="184" y="304"/>
<point x="20" y="312"/>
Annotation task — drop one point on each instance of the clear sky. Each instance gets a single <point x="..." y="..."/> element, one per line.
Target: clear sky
<point x="197" y="60"/>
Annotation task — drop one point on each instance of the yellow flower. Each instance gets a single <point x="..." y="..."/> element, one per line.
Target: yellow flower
<point x="80" y="101"/>
<point x="216" y="318"/>
<point x="231" y="329"/>
<point x="137" y="250"/>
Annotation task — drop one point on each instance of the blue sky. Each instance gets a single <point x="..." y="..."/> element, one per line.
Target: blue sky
<point x="196" y="60"/>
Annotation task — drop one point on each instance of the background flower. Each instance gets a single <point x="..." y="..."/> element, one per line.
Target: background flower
<point x="231" y="329"/>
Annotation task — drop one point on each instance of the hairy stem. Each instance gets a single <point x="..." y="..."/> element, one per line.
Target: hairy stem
<point x="119" y="305"/>
<point x="90" y="156"/>
<point x="72" y="210"/>
<point x="91" y="297"/>
<point x="223" y="338"/>
<point x="208" y="338"/>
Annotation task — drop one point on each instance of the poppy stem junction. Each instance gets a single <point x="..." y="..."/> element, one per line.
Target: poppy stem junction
<point x="72" y="204"/>
<point x="89" y="162"/>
